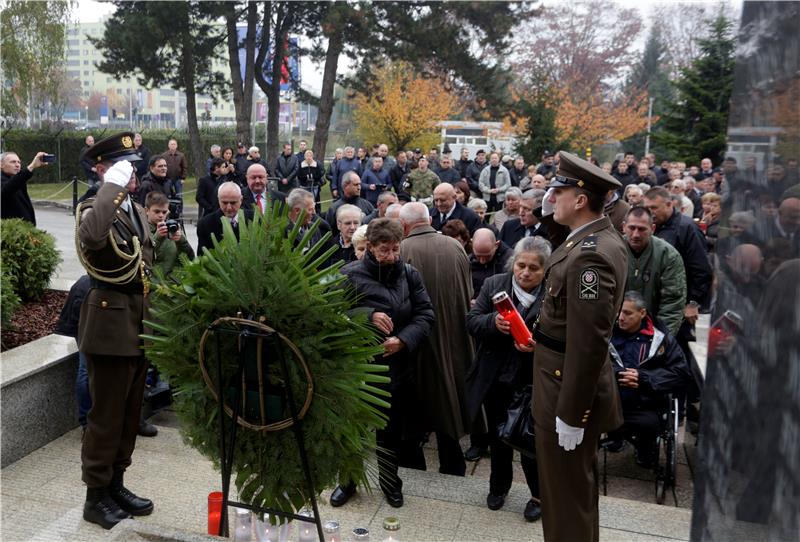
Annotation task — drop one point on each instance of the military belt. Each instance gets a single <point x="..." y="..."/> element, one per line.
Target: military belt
<point x="548" y="341"/>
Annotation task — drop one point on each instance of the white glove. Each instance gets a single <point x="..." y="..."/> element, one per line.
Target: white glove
<point x="568" y="437"/>
<point x="119" y="174"/>
<point x="547" y="207"/>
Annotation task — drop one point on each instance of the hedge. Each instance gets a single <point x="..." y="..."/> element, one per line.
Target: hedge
<point x="29" y="256"/>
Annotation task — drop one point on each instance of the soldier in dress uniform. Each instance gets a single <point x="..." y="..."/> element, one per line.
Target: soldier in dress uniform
<point x="575" y="396"/>
<point x="114" y="246"/>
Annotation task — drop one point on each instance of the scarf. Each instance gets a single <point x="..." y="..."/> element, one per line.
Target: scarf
<point x="525" y="299"/>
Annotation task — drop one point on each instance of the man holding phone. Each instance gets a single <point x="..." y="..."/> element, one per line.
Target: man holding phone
<point x="16" y="203"/>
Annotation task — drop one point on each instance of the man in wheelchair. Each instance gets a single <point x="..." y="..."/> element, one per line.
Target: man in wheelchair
<point x="649" y="365"/>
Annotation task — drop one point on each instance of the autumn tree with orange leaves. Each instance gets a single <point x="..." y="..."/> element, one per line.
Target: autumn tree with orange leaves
<point x="403" y="109"/>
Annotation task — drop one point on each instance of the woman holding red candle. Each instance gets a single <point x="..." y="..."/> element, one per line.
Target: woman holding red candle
<point x="502" y="366"/>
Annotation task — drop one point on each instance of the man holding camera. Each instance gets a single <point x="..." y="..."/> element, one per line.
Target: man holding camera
<point x="15" y="201"/>
<point x="168" y="240"/>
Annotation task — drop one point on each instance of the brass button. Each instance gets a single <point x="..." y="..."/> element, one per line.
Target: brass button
<point x="121" y="194"/>
<point x="104" y="304"/>
<point x="116" y="202"/>
<point x="557" y="373"/>
<point x="119" y="212"/>
<point x="587" y="412"/>
<point x="124" y="242"/>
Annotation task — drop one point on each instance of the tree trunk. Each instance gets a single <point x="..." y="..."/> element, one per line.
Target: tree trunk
<point x="326" y="101"/>
<point x="187" y="65"/>
<point x="242" y="89"/>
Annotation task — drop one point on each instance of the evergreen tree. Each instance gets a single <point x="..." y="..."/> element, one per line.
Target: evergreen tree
<point x="539" y="133"/>
<point x="695" y="123"/>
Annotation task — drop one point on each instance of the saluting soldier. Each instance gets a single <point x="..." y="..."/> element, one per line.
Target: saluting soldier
<point x="575" y="396"/>
<point x="114" y="246"/>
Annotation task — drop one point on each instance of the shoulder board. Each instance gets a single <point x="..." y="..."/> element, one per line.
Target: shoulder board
<point x="589" y="243"/>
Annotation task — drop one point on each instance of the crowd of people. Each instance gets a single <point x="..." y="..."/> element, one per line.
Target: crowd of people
<point x="428" y="240"/>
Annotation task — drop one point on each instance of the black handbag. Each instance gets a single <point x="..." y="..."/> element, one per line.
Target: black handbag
<point x="517" y="430"/>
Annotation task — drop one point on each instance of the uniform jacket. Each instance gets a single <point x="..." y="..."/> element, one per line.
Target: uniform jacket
<point x="421" y="183"/>
<point x="444" y="357"/>
<point x="496" y="360"/>
<point x="658" y="274"/>
<point x="584" y="286"/>
<point x="15" y="201"/>
<point x="616" y="211"/>
<point x="655" y="353"/>
<point x="111" y="319"/>
<point x="502" y="183"/>
<point x="399" y="292"/>
<point x="466" y="215"/>
<point x="681" y="232"/>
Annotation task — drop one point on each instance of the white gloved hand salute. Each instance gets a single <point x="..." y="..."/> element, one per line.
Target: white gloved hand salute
<point x="568" y="437"/>
<point x="547" y="207"/>
<point x="119" y="174"/>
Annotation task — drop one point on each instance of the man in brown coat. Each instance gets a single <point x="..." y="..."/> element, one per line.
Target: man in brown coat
<point x="575" y="397"/>
<point x="445" y="356"/>
<point x="116" y="249"/>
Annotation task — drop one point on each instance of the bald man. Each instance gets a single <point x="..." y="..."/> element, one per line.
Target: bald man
<point x="445" y="207"/>
<point x="488" y="258"/>
<point x="257" y="194"/>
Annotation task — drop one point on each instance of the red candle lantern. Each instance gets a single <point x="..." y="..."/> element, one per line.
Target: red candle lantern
<point x="214" y="512"/>
<point x="520" y="332"/>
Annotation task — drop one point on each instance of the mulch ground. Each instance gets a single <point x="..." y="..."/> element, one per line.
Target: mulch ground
<point x="33" y="320"/>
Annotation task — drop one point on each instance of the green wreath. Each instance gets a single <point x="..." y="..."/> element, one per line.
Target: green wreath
<point x="265" y="278"/>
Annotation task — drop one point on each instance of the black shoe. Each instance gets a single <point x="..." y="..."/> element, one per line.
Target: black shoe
<point x="645" y="458"/>
<point x="495" y="502"/>
<point x="474" y="453"/>
<point x="147" y="429"/>
<point x="394" y="498"/>
<point x="342" y="494"/>
<point x="615" y="446"/>
<point x="127" y="500"/>
<point x="533" y="511"/>
<point x="101" y="509"/>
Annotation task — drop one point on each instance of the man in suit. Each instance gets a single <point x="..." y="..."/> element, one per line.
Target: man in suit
<point x="445" y="207"/>
<point x="527" y="225"/>
<point x="256" y="194"/>
<point x="576" y="398"/>
<point x="16" y="203"/>
<point x="230" y="201"/>
<point x="110" y="324"/>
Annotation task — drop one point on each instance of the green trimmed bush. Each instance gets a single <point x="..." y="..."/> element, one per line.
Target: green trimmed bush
<point x="29" y="256"/>
<point x="9" y="300"/>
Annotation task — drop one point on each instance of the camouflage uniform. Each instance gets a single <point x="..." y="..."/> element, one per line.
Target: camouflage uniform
<point x="420" y="184"/>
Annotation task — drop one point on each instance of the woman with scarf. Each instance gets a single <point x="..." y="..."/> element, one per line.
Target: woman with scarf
<point x="393" y="296"/>
<point x="311" y="176"/>
<point x="501" y="367"/>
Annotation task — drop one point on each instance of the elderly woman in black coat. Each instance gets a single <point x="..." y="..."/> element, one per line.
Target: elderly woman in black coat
<point x="502" y="367"/>
<point x="393" y="295"/>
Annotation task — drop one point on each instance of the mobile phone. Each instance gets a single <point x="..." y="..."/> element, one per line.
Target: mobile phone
<point x="48" y="158"/>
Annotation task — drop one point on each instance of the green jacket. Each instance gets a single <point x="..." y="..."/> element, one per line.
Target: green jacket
<point x="658" y="274"/>
<point x="421" y="185"/>
<point x="168" y="251"/>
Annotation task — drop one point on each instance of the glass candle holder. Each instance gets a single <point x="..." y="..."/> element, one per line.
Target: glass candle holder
<point x="391" y="526"/>
<point x="266" y="531"/>
<point x="360" y="534"/>
<point x="243" y="531"/>
<point x="331" y="530"/>
<point x="307" y="531"/>
<point x="214" y="512"/>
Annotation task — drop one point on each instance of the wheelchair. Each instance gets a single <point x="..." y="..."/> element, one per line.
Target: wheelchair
<point x="666" y="459"/>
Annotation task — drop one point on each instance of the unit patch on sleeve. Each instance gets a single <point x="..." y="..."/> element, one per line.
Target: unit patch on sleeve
<point x="589" y="243"/>
<point x="589" y="284"/>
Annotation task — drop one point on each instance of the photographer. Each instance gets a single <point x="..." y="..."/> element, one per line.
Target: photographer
<point x="167" y="238"/>
<point x="16" y="203"/>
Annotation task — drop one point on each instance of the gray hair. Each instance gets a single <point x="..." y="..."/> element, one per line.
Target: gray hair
<point x="229" y="185"/>
<point x="347" y="208"/>
<point x="253" y="149"/>
<point x="6" y="155"/>
<point x="536" y="245"/>
<point x="385" y="195"/>
<point x="477" y="203"/>
<point x="339" y="149"/>
<point x="347" y="178"/>
<point x="514" y="193"/>
<point x="636" y="298"/>
<point x="415" y="213"/>
<point x="743" y="217"/>
<point x="298" y="197"/>
<point x="645" y="187"/>
<point x="393" y="210"/>
<point x="630" y="188"/>
<point x="215" y="148"/>
<point x="529" y="194"/>
<point x="360" y="234"/>
<point x="349" y="148"/>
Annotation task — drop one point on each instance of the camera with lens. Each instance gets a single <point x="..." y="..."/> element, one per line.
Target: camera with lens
<point x="172" y="226"/>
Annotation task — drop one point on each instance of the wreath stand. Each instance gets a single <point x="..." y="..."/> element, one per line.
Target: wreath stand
<point x="250" y="330"/>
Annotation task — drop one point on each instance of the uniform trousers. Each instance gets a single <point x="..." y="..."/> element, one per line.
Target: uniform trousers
<point x="569" y="490"/>
<point x="116" y="386"/>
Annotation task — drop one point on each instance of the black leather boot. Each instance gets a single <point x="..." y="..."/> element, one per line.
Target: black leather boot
<point x="342" y="494"/>
<point x="127" y="500"/>
<point x="101" y="509"/>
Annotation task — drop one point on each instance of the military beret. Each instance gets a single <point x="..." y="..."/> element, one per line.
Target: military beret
<point x="578" y="173"/>
<point x="113" y="148"/>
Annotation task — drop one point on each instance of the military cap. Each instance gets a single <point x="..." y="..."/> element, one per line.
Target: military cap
<point x="113" y="148"/>
<point x="578" y="173"/>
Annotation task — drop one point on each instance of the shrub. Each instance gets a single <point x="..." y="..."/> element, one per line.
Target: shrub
<point x="29" y="256"/>
<point x="9" y="300"/>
